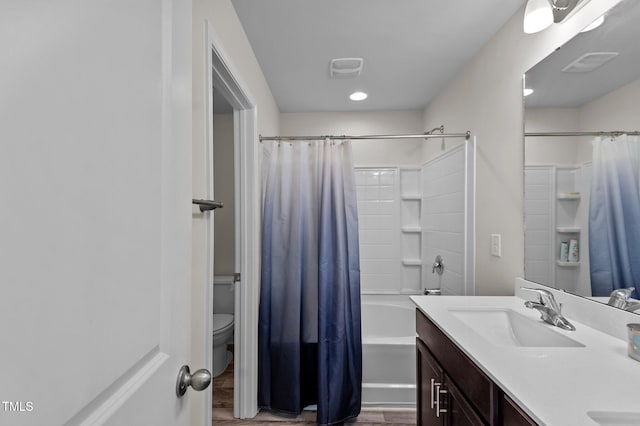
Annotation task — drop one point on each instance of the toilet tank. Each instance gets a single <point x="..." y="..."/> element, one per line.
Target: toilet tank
<point x="223" y="294"/>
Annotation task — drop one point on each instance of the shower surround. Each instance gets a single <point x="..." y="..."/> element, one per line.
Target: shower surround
<point x="406" y="215"/>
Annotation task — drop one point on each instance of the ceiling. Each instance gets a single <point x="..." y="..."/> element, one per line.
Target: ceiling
<point x="411" y="48"/>
<point x="619" y="33"/>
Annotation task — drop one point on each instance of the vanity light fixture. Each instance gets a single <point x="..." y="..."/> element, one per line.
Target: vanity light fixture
<point x="563" y="8"/>
<point x="538" y="15"/>
<point x="358" y="96"/>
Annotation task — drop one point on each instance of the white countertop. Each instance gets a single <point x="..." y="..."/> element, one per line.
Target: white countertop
<point x="555" y="386"/>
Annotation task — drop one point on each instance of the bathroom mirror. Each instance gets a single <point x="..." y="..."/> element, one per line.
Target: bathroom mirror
<point x="591" y="84"/>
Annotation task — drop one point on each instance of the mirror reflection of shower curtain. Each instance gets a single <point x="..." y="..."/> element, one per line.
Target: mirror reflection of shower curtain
<point x="309" y="338"/>
<point x="614" y="215"/>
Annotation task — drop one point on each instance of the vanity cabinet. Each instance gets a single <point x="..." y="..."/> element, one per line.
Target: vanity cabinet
<point x="430" y="378"/>
<point x="440" y="401"/>
<point x="452" y="390"/>
<point x="512" y="415"/>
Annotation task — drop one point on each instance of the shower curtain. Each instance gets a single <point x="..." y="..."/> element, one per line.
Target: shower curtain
<point x="614" y="215"/>
<point x="309" y="318"/>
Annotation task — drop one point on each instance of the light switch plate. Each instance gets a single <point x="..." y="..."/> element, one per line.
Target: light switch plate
<point x="496" y="245"/>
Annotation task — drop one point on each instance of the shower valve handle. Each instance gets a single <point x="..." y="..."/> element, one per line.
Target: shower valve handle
<point x="438" y="266"/>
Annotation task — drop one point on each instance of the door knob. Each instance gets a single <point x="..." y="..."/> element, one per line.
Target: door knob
<point x="198" y="381"/>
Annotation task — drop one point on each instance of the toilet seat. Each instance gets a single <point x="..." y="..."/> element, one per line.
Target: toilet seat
<point x="222" y="322"/>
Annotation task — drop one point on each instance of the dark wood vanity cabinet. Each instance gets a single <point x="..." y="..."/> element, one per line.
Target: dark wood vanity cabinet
<point x="429" y="375"/>
<point x="513" y="415"/>
<point x="452" y="390"/>
<point x="440" y="401"/>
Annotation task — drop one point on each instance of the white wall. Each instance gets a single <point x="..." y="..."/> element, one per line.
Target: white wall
<point x="549" y="149"/>
<point x="224" y="223"/>
<point x="365" y="152"/>
<point x="618" y="110"/>
<point x="224" y="244"/>
<point x="486" y="97"/>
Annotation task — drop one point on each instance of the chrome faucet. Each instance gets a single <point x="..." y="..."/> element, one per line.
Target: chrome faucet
<point x="550" y="310"/>
<point x="621" y="298"/>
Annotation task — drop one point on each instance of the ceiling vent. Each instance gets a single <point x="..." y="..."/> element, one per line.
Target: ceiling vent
<point x="345" y="67"/>
<point x="590" y="61"/>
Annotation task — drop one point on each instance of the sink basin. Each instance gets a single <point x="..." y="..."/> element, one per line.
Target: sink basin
<point x="507" y="327"/>
<point x="615" y="418"/>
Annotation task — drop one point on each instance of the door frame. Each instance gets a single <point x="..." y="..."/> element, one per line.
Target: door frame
<point x="221" y="74"/>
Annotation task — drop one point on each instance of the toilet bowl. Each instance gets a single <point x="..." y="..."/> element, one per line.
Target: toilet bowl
<point x="222" y="335"/>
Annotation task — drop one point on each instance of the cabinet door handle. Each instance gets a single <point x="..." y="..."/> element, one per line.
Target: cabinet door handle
<point x="439" y="391"/>
<point x="432" y="393"/>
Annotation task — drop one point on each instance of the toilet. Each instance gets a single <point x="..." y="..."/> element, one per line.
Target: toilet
<point x="222" y="335"/>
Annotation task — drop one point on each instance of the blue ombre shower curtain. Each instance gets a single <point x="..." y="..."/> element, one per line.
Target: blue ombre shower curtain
<point x="614" y="218"/>
<point x="310" y="350"/>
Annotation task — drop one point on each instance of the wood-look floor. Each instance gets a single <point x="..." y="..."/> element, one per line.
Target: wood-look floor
<point x="223" y="410"/>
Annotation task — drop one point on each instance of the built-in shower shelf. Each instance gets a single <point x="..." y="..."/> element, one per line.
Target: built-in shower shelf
<point x="568" y="229"/>
<point x="411" y="229"/>
<point x="412" y="262"/>
<point x="568" y="196"/>
<point x="417" y="197"/>
<point x="567" y="264"/>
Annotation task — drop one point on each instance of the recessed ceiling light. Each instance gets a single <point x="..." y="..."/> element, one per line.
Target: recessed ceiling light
<point x="595" y="24"/>
<point x="358" y="96"/>
<point x="527" y="92"/>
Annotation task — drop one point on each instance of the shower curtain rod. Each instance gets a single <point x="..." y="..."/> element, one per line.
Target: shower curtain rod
<point x="429" y="135"/>
<point x="612" y="133"/>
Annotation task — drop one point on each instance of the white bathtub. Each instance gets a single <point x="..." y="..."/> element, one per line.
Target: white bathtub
<point x="388" y="350"/>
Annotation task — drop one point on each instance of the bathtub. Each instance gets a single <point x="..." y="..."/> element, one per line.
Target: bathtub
<point x="388" y="350"/>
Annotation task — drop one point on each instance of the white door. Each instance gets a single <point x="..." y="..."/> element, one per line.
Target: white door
<point x="95" y="211"/>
